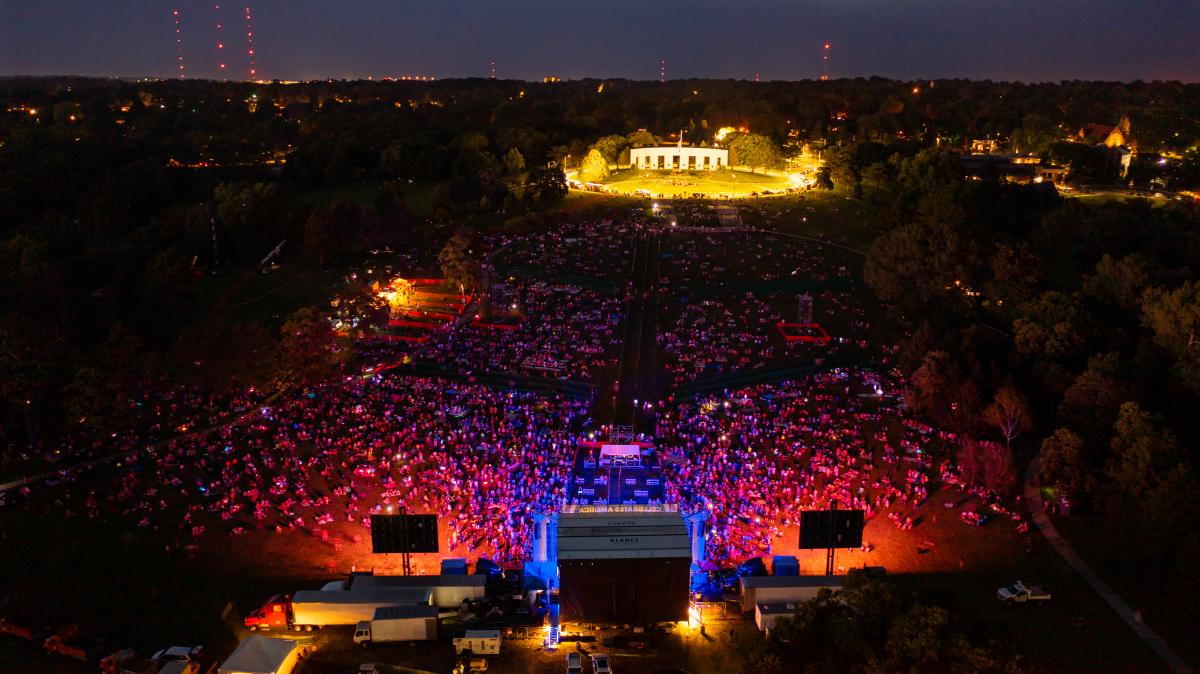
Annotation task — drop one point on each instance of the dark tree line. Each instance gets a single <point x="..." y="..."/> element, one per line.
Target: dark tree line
<point x="1064" y="328"/>
<point x="870" y="625"/>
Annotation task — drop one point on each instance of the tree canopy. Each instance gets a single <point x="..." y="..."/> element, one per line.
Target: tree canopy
<point x="594" y="167"/>
<point x="869" y="625"/>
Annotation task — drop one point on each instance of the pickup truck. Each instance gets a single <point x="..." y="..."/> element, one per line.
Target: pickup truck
<point x="1019" y="593"/>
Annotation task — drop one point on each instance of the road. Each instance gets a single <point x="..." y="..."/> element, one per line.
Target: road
<point x="1033" y="497"/>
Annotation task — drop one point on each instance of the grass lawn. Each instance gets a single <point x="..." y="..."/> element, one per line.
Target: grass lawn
<point x="355" y="193"/>
<point x="687" y="183"/>
<point x="832" y="216"/>
<point x="417" y="195"/>
<point x="577" y="201"/>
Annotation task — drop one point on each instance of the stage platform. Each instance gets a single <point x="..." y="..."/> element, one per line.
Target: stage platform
<point x="616" y="474"/>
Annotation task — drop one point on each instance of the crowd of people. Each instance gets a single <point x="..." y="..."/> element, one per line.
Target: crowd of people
<point x="161" y="408"/>
<point x="542" y="329"/>
<point x="718" y="335"/>
<point x="756" y="457"/>
<point x="599" y="249"/>
<point x="732" y="291"/>
<point x="485" y="458"/>
<point x="716" y="260"/>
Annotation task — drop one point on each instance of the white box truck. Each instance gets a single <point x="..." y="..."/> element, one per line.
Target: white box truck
<point x="780" y="589"/>
<point x="398" y="623"/>
<point x="449" y="590"/>
<point x="478" y="642"/>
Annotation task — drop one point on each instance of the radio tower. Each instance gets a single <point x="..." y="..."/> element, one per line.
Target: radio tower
<point x="493" y="70"/>
<point x="220" y="42"/>
<point x="825" y="63"/>
<point x="178" y="41"/>
<point x="253" y="71"/>
<point x="662" y="71"/>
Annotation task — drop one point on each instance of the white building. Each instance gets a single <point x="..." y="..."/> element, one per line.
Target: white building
<point x="679" y="158"/>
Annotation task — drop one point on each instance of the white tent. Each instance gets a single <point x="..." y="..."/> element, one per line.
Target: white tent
<point x="262" y="655"/>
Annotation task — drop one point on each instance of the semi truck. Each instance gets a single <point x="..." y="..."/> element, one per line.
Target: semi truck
<point x="307" y="610"/>
<point x="398" y="623"/>
<point x="449" y="590"/>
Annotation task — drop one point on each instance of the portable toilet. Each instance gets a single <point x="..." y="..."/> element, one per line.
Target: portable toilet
<point x="785" y="565"/>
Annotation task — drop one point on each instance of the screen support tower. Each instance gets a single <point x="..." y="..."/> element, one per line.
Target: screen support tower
<point x="804" y="308"/>
<point x="406" y="556"/>
<point x="830" y="552"/>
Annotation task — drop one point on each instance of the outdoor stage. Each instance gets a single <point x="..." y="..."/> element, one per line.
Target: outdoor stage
<point x="616" y="474"/>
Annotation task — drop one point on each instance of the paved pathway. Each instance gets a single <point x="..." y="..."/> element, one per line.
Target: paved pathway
<point x="1033" y="498"/>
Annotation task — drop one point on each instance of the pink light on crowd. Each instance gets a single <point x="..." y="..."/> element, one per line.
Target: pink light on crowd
<point x="253" y="72"/>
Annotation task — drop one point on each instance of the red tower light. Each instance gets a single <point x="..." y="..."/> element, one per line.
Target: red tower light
<point x="178" y="42"/>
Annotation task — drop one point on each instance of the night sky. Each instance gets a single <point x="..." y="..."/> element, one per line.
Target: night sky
<point x="1031" y="40"/>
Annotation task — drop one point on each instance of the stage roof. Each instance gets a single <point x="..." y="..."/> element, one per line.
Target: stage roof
<point x="623" y="535"/>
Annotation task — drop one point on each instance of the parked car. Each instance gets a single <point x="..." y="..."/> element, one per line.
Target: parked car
<point x="471" y="666"/>
<point x="600" y="664"/>
<point x="178" y="654"/>
<point x="1019" y="593"/>
<point x="574" y="663"/>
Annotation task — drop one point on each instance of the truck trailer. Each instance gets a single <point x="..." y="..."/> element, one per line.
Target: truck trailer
<point x="398" y="623"/>
<point x="449" y="590"/>
<point x="307" y="610"/>
<point x="780" y="589"/>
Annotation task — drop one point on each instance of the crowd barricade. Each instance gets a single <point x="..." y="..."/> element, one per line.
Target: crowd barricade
<point x="806" y="333"/>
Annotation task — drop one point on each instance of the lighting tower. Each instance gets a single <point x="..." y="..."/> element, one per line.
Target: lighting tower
<point x="220" y="41"/>
<point x="825" y="63"/>
<point x="662" y="71"/>
<point x="178" y="41"/>
<point x="493" y="70"/>
<point x="251" y="68"/>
